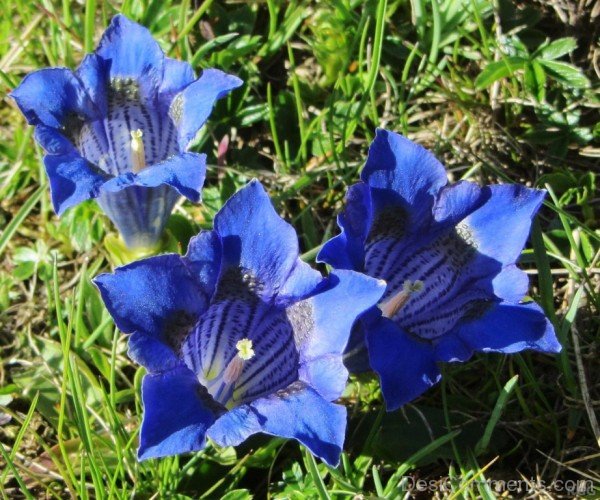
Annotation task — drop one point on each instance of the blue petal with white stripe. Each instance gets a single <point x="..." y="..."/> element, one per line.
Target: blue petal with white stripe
<point x="252" y="334"/>
<point x="119" y="126"/>
<point x="448" y="255"/>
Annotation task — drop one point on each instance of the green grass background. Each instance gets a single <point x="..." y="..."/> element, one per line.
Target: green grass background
<point x="501" y="91"/>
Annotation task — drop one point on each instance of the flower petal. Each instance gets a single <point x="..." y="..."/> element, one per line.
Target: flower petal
<point x="177" y="76"/>
<point x="191" y="107"/>
<point x="140" y="213"/>
<point x="445" y="264"/>
<point x="334" y="310"/>
<point x="53" y="141"/>
<point x="72" y="180"/>
<point x="256" y="240"/>
<point x="176" y="414"/>
<point x="346" y="250"/>
<point x="406" y="366"/>
<point x="93" y="74"/>
<point x="322" y="326"/>
<point x="302" y="282"/>
<point x="501" y="225"/>
<point x="235" y="313"/>
<point x="203" y="258"/>
<point x="356" y="355"/>
<point x="511" y="284"/>
<point x="404" y="174"/>
<point x="52" y="97"/>
<point x="326" y="374"/>
<point x="297" y="412"/>
<point x="508" y="328"/>
<point x="155" y="353"/>
<point x="157" y="297"/>
<point x="184" y="172"/>
<point x="129" y="52"/>
<point x="140" y="204"/>
<point x="275" y="363"/>
<point x="457" y="201"/>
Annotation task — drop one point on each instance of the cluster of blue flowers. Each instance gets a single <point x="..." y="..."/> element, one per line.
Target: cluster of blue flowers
<point x="240" y="336"/>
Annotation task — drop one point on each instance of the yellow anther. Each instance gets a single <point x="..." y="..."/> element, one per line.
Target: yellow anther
<point x="391" y="306"/>
<point x="245" y="350"/>
<point x="138" y="155"/>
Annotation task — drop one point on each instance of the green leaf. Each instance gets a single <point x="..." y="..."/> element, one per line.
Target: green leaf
<point x="499" y="69"/>
<point x="565" y="73"/>
<point x="558" y="48"/>
<point x="313" y="469"/>
<point x="483" y="443"/>
<point x="237" y="495"/>
<point x="535" y="80"/>
<point x="210" y="46"/>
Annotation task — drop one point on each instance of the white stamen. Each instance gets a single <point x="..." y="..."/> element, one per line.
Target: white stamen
<point x="391" y="306"/>
<point x="236" y="365"/>
<point x="138" y="155"/>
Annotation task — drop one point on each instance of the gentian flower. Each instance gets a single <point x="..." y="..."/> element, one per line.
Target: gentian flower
<point x="117" y="129"/>
<point x="448" y="254"/>
<point x="239" y="336"/>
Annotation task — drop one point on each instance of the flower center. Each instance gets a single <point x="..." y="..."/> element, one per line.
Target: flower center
<point x="138" y="154"/>
<point x="391" y="306"/>
<point x="236" y="365"/>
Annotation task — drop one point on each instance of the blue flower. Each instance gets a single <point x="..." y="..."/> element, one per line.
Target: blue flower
<point x="448" y="254"/>
<point x="239" y="336"/>
<point x="118" y="128"/>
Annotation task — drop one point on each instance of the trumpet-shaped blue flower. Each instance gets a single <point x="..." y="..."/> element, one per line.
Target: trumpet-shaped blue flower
<point x="239" y="336"/>
<point x="448" y="254"/>
<point x="117" y="129"/>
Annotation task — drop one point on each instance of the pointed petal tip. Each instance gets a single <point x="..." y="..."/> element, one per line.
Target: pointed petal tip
<point x="382" y="132"/>
<point x="99" y="281"/>
<point x="406" y="367"/>
<point x="229" y="81"/>
<point x="145" y="453"/>
<point x="549" y="342"/>
<point x="121" y="21"/>
<point x="72" y="180"/>
<point x="253" y="189"/>
<point x="374" y="286"/>
<point x="331" y="458"/>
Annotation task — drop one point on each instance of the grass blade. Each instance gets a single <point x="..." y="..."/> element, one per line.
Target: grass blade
<point x="311" y="465"/>
<point x="483" y="443"/>
<point x="16" y="221"/>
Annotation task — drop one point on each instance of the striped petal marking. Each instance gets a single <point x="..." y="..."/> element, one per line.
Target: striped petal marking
<point x="237" y="322"/>
<point x="430" y="287"/>
<point x="107" y="142"/>
<point x="133" y="135"/>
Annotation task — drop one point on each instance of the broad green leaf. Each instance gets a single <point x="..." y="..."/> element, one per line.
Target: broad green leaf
<point x="557" y="48"/>
<point x="499" y="69"/>
<point x="565" y="73"/>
